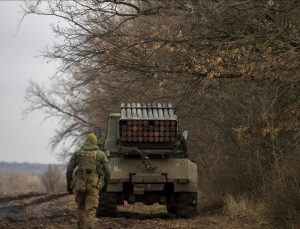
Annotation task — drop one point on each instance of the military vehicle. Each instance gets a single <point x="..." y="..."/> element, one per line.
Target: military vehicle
<point x="149" y="160"/>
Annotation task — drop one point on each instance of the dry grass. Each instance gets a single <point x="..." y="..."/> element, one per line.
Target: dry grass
<point x="246" y="210"/>
<point x="236" y="207"/>
<point x="17" y="183"/>
<point x="20" y="183"/>
<point x="142" y="208"/>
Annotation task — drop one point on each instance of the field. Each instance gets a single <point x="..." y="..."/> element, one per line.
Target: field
<point x="34" y="210"/>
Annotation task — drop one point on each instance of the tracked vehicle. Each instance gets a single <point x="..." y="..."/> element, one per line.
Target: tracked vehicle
<point x="149" y="160"/>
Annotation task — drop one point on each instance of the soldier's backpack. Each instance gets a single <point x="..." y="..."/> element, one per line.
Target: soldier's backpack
<point x="86" y="175"/>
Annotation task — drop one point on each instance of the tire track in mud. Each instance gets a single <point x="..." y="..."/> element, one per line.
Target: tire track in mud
<point x="4" y="199"/>
<point x="17" y="208"/>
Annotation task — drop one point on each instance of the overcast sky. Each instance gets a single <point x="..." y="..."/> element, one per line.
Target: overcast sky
<point x="23" y="140"/>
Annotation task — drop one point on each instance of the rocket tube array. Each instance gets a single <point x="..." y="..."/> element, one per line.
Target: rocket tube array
<point x="141" y="122"/>
<point x="148" y="131"/>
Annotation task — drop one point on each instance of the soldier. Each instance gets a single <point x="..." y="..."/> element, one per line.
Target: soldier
<point x="84" y="173"/>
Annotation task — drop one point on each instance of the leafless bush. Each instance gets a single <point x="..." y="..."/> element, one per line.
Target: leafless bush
<point x="241" y="133"/>
<point x="282" y="197"/>
<point x="53" y="179"/>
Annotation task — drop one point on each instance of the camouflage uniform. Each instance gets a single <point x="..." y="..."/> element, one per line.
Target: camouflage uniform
<point x="84" y="173"/>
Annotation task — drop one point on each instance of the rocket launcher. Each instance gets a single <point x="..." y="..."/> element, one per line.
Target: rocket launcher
<point x="148" y="123"/>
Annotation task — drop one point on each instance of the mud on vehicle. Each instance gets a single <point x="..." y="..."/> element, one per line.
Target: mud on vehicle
<point x="149" y="160"/>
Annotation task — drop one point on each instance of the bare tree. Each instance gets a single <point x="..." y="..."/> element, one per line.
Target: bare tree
<point x="117" y="49"/>
<point x="231" y="68"/>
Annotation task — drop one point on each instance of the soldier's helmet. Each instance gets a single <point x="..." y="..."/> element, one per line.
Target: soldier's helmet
<point x="91" y="138"/>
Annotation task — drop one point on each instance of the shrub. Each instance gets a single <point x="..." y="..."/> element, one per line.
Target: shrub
<point x="282" y="196"/>
<point x="53" y="179"/>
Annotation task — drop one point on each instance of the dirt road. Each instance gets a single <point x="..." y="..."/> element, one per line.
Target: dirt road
<point x="59" y="211"/>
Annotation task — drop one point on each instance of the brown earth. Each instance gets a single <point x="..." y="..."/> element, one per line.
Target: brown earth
<point x="36" y="211"/>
